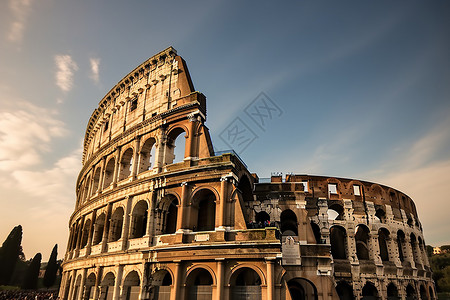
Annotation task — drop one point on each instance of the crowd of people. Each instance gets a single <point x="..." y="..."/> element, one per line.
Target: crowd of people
<point x="255" y="225"/>
<point x="28" y="295"/>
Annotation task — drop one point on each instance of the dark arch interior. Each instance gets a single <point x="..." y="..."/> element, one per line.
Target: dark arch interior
<point x="289" y="225"/>
<point x="316" y="231"/>
<point x="345" y="291"/>
<point x="369" y="292"/>
<point x="246" y="188"/>
<point x="338" y="238"/>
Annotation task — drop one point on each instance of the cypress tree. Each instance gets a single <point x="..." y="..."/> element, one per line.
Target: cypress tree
<point x="51" y="269"/>
<point x="31" y="277"/>
<point x="9" y="254"/>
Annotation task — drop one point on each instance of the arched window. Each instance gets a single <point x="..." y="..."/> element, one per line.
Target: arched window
<point x="430" y="291"/>
<point x="335" y="212"/>
<point x="85" y="236"/>
<point x="139" y="220"/>
<point x="199" y="285"/>
<point x="90" y="286"/>
<point x="131" y="286"/>
<point x="383" y="236"/>
<point x="317" y="233"/>
<point x="414" y="248"/>
<point x="289" y="224"/>
<point x="381" y="215"/>
<point x="76" y="288"/>
<point x="205" y="202"/>
<point x="162" y="280"/>
<point x="109" y="173"/>
<point x="369" y="292"/>
<point x="147" y="155"/>
<point x="423" y="293"/>
<point x="98" y="229"/>
<point x="302" y="289"/>
<point x="410" y="292"/>
<point x="171" y="216"/>
<point x="175" y="146"/>
<point x="115" y="231"/>
<point x="96" y="183"/>
<point x="246" y="189"/>
<point x="392" y="292"/>
<point x="338" y="239"/>
<point x="245" y="283"/>
<point x="262" y="219"/>
<point x="344" y="290"/>
<point x="362" y="242"/>
<point x="107" y="286"/>
<point x="126" y="164"/>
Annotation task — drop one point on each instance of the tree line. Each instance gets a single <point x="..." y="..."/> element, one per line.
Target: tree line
<point x="16" y="271"/>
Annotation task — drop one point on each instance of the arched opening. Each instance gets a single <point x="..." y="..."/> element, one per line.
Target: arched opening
<point x="131" y="286"/>
<point x="410" y="292"/>
<point x="369" y="292"/>
<point x="430" y="291"/>
<point x="262" y="219"/>
<point x="413" y="242"/>
<point x="99" y="226"/>
<point x="90" y="287"/>
<point x="317" y="233"/>
<point x="67" y="288"/>
<point x="205" y="202"/>
<point x="344" y="290"/>
<point x="96" y="182"/>
<point x="109" y="173"/>
<point x="162" y="281"/>
<point x="245" y="284"/>
<point x="400" y="245"/>
<point x="392" y="292"/>
<point x="115" y="230"/>
<point x="175" y="146"/>
<point x="171" y="217"/>
<point x="139" y="220"/>
<point x="147" y="155"/>
<point x="335" y="212"/>
<point x="199" y="285"/>
<point x="380" y="214"/>
<point x="362" y="242"/>
<point x="86" y="189"/>
<point x="338" y="240"/>
<point x="126" y="164"/>
<point x="383" y="237"/>
<point x="85" y="236"/>
<point x="302" y="289"/>
<point x="76" y="288"/>
<point x="246" y="188"/>
<point x="423" y="293"/>
<point x="289" y="224"/>
<point x="107" y="286"/>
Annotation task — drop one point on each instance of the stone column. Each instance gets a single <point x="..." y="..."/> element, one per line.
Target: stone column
<point x="150" y="216"/>
<point x="106" y="228"/>
<point x="409" y="256"/>
<point x="100" y="179"/>
<point x="220" y="279"/>
<point x="82" y="285"/>
<point x="98" y="279"/>
<point x="223" y="202"/>
<point x="270" y="277"/>
<point x="126" y="223"/>
<point x="116" y="167"/>
<point x="91" y="233"/>
<point x="181" y="218"/>
<point x="135" y="157"/>
<point x="176" y="293"/>
<point x="118" y="283"/>
<point x="190" y="150"/>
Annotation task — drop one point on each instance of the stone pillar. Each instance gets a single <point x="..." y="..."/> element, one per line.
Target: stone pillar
<point x="270" y="277"/>
<point x="150" y="216"/>
<point x="100" y="179"/>
<point x="118" y="283"/>
<point x="82" y="285"/>
<point x="135" y="157"/>
<point x="98" y="279"/>
<point x="223" y="202"/>
<point x="190" y="150"/>
<point x="176" y="292"/>
<point x="409" y="256"/>
<point x="106" y="228"/>
<point x="72" y="284"/>
<point x="91" y="233"/>
<point x="116" y="167"/>
<point x="126" y="223"/>
<point x="220" y="279"/>
<point x="181" y="218"/>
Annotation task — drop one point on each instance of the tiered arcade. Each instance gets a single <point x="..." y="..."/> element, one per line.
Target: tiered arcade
<point x="153" y="222"/>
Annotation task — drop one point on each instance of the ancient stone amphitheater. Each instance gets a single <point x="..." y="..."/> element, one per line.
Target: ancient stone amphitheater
<point x="153" y="224"/>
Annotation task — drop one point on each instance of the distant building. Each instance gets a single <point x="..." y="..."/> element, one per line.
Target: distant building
<point x="150" y="225"/>
<point x="437" y="250"/>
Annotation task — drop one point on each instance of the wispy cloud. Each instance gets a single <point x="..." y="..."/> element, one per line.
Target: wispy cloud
<point x="66" y="68"/>
<point x="20" y="10"/>
<point x="95" y="68"/>
<point x="25" y="134"/>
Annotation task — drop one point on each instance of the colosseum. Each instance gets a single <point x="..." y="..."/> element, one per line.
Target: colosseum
<point x="153" y="223"/>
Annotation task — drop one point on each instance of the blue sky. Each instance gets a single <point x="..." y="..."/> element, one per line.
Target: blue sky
<point x="363" y="86"/>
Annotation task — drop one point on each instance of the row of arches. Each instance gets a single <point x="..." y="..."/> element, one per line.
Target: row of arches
<point x="390" y="248"/>
<point x="105" y="226"/>
<point x="132" y="159"/>
<point x="393" y="292"/>
<point x="244" y="283"/>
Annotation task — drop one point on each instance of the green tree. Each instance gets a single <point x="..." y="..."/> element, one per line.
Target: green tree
<point x="429" y="250"/>
<point x="31" y="277"/>
<point x="51" y="269"/>
<point x="440" y="264"/>
<point x="10" y="252"/>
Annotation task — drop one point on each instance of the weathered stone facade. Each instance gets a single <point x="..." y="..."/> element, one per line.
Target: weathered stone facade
<point x="150" y="225"/>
